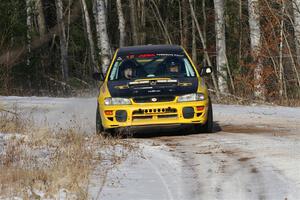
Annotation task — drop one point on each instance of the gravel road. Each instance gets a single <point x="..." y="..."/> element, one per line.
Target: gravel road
<point x="253" y="154"/>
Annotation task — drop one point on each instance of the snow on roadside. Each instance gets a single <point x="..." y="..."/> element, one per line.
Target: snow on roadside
<point x="60" y="147"/>
<point x="257" y="115"/>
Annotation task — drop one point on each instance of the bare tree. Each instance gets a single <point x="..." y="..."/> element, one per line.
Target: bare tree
<point x="296" y="14"/>
<point x="29" y="38"/>
<point x="142" y="17"/>
<point x="133" y="22"/>
<point x="206" y="56"/>
<point x="255" y="40"/>
<point x="160" y="22"/>
<point x="63" y="40"/>
<point x="221" y="45"/>
<point x="89" y="34"/>
<point x="185" y="22"/>
<point x="121" y="23"/>
<point x="40" y="17"/>
<point x="194" y="43"/>
<point x="105" y="49"/>
<point x="29" y="29"/>
<point x="282" y="87"/>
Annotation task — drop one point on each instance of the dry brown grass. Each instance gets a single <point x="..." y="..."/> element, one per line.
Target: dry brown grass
<point x="37" y="163"/>
<point x="13" y="122"/>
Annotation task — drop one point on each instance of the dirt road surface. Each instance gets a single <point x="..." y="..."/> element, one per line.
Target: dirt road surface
<point x="253" y="154"/>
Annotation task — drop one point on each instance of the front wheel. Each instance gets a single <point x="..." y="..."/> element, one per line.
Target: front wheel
<point x="99" y="127"/>
<point x="208" y="126"/>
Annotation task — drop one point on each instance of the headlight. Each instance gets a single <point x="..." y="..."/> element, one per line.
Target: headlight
<point x="191" y="97"/>
<point x="116" y="101"/>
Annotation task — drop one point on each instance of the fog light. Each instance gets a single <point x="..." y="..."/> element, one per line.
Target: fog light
<point x="200" y="108"/>
<point x="108" y="112"/>
<point x="188" y="112"/>
<point x="121" y="115"/>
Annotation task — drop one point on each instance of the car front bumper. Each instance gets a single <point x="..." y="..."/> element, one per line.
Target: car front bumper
<point x="152" y="114"/>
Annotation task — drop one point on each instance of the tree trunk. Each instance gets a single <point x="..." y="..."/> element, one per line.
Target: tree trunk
<point x="133" y="22"/>
<point x="40" y="17"/>
<point x="89" y="34"/>
<point x="204" y="19"/>
<point x="29" y="29"/>
<point x="121" y="23"/>
<point x="95" y="13"/>
<point x="63" y="40"/>
<point x="194" y="44"/>
<point x="185" y="24"/>
<point x="204" y="46"/>
<point x="160" y="22"/>
<point x="221" y="45"/>
<point x="29" y="32"/>
<point x="296" y="9"/>
<point x="142" y="17"/>
<point x="240" y="32"/>
<point x="255" y="40"/>
<point x="281" y="71"/>
<point x="180" y="22"/>
<point x="103" y="36"/>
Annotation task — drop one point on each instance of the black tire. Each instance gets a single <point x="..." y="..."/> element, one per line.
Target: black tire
<point x="99" y="127"/>
<point x="208" y="126"/>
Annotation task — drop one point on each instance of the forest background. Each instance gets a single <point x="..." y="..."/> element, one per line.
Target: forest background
<point x="52" y="47"/>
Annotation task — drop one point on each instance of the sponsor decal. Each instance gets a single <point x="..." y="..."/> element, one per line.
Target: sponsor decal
<point x="154" y="99"/>
<point x="153" y="91"/>
<point x="168" y="54"/>
<point x="153" y="82"/>
<point x="146" y="55"/>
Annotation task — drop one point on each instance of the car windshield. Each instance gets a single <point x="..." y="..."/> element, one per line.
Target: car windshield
<point x="151" y="66"/>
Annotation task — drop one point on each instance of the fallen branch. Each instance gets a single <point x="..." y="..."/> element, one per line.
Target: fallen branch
<point x="82" y="81"/>
<point x="64" y="84"/>
<point x="240" y="98"/>
<point x="3" y="110"/>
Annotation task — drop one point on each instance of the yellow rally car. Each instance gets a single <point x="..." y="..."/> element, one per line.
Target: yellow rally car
<point x="153" y="85"/>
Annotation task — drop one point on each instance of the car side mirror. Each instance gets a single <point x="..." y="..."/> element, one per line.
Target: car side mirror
<point x="98" y="76"/>
<point x="205" y="71"/>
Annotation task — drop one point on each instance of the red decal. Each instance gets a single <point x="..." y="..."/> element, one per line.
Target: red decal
<point x="146" y="55"/>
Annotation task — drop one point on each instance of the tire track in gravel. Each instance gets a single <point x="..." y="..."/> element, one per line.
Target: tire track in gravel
<point x="233" y="171"/>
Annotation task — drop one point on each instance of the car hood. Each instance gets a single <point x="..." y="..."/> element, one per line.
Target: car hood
<point x="152" y="87"/>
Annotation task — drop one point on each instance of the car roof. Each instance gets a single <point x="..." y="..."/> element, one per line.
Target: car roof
<point x="145" y="49"/>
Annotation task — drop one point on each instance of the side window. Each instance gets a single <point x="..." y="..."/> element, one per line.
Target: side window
<point x="188" y="68"/>
<point x="115" y="70"/>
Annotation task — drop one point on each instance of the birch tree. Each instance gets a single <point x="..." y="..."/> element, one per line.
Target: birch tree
<point x="29" y="29"/>
<point x="28" y="35"/>
<point x="221" y="45"/>
<point x="296" y="12"/>
<point x="102" y="35"/>
<point x="255" y="40"/>
<point x="121" y="23"/>
<point x="63" y="40"/>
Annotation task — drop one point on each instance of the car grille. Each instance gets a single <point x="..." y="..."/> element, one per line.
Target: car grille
<point x="159" y="113"/>
<point x="155" y="111"/>
<point x="153" y="99"/>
